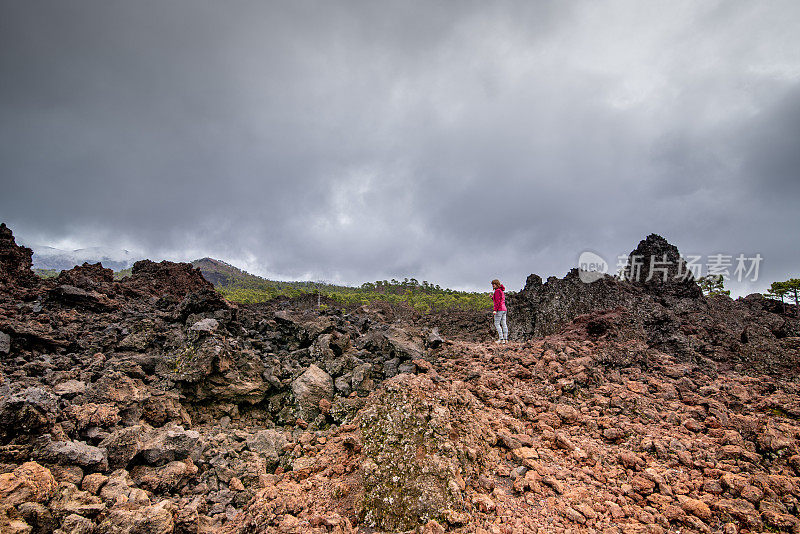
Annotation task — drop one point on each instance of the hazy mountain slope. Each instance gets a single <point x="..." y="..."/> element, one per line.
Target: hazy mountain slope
<point x="223" y="274"/>
<point x="59" y="260"/>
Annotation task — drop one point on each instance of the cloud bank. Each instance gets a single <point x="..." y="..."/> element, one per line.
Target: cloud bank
<point x="453" y="141"/>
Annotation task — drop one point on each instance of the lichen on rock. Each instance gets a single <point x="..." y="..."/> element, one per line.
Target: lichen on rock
<point x="412" y="469"/>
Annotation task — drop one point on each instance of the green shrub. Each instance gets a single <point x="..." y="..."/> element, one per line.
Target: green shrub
<point x="424" y="298"/>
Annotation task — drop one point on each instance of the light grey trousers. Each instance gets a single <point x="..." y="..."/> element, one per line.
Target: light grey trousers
<point x="501" y="325"/>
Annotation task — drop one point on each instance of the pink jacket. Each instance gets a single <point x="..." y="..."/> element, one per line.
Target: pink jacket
<point x="499" y="298"/>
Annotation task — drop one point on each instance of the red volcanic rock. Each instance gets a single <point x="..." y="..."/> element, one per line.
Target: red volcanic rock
<point x="29" y="482"/>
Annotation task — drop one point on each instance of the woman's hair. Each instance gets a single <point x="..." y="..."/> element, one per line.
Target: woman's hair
<point x="496" y="282"/>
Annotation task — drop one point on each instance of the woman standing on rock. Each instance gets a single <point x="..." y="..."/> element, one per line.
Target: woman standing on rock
<point x="499" y="312"/>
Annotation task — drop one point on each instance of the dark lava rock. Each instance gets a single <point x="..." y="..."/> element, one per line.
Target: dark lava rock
<point x="655" y="270"/>
<point x="204" y="300"/>
<point x="657" y="266"/>
<point x="5" y="343"/>
<point x="165" y="278"/>
<point x="75" y="452"/>
<point x="172" y="442"/>
<point x="544" y="309"/>
<point x="434" y="340"/>
<point x="15" y="262"/>
<point x="310" y="388"/>
<point x="124" y="444"/>
<point x="268" y="445"/>
<point x="33" y="409"/>
<point x="75" y="296"/>
<point x="658" y="301"/>
<point x="91" y="277"/>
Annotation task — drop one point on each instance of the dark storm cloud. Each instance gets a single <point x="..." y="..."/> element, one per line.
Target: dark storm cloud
<point x="454" y="142"/>
<point x="772" y="148"/>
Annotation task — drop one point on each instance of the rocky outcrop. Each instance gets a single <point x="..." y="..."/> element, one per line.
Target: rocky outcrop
<point x="658" y="301"/>
<point x="542" y="309"/>
<point x="165" y="278"/>
<point x="90" y="277"/>
<point x="15" y="263"/>
<point x="657" y="266"/>
<point x="655" y="270"/>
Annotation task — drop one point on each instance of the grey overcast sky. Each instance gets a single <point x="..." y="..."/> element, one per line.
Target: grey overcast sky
<point x="450" y="141"/>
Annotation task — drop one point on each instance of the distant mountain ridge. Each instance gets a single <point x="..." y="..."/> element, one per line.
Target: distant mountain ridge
<point x="218" y="272"/>
<point x="223" y="274"/>
<point x="45" y="257"/>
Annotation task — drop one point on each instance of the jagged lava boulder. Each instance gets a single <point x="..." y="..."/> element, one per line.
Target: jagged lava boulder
<point x="542" y="309"/>
<point x="92" y="277"/>
<point x="310" y="388"/>
<point x="658" y="301"/>
<point x="655" y="269"/>
<point x="657" y="266"/>
<point x="15" y="262"/>
<point x="165" y="278"/>
<point x="89" y="286"/>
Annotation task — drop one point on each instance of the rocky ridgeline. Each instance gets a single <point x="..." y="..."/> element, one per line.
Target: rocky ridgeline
<point x="153" y="405"/>
<point x="671" y="316"/>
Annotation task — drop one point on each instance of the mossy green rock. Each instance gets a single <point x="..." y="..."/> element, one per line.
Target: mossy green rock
<point x="411" y="465"/>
